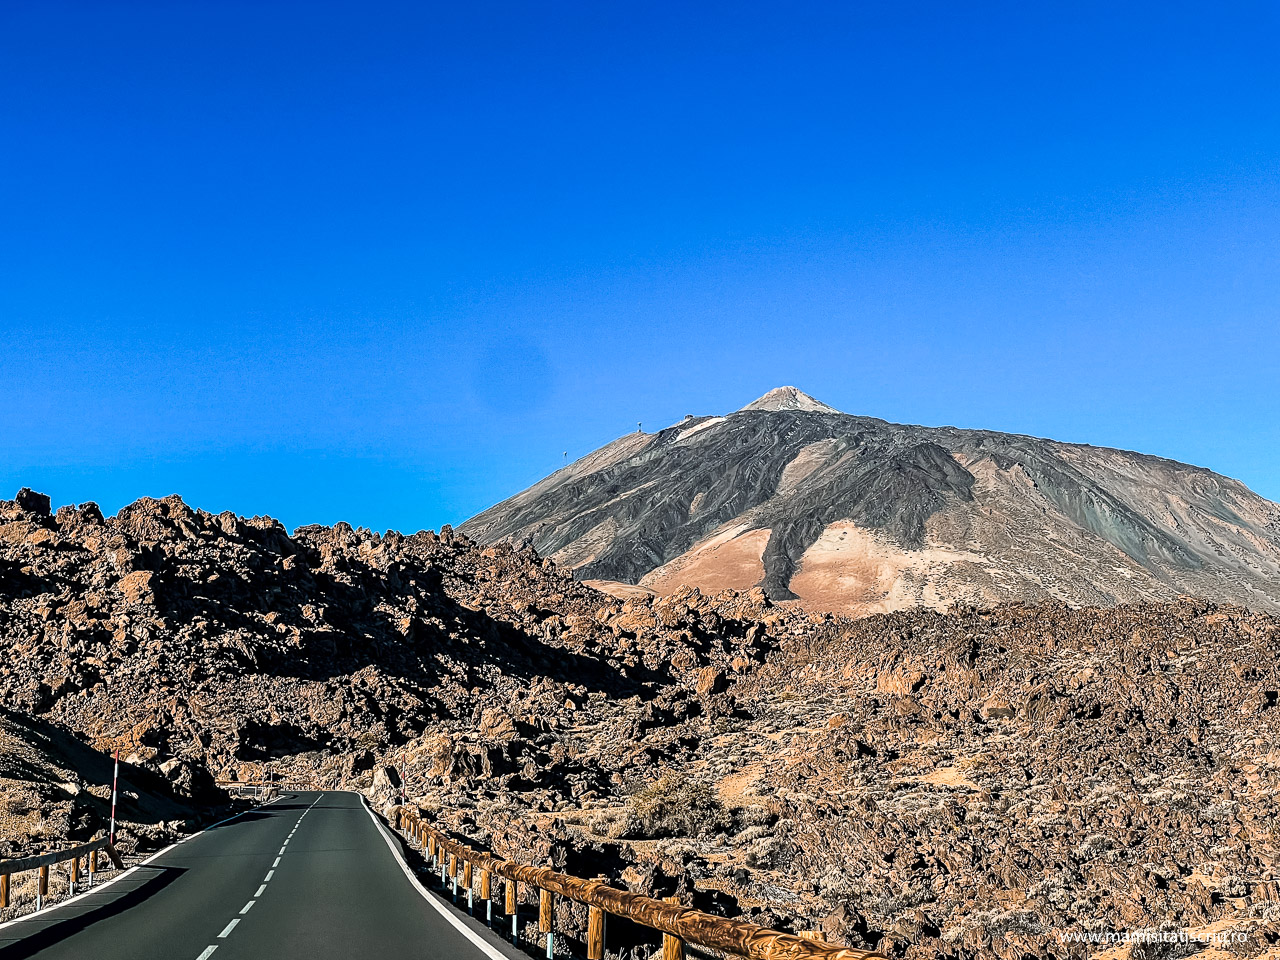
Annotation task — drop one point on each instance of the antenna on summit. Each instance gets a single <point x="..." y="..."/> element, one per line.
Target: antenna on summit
<point x="639" y="427"/>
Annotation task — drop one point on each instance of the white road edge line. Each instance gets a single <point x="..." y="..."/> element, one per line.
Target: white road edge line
<point x="226" y="931"/>
<point x="486" y="948"/>
<point x="208" y="952"/>
<point x="116" y="879"/>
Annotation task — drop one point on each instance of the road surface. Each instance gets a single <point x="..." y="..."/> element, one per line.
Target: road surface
<point x="310" y="876"/>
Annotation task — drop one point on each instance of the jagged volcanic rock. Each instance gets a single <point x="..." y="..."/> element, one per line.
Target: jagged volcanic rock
<point x="969" y="785"/>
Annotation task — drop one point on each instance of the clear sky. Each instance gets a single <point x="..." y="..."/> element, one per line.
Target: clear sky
<point x="387" y="263"/>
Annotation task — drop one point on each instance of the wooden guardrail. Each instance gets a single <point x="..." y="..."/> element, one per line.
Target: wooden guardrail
<point x="44" y="861"/>
<point x="678" y="925"/>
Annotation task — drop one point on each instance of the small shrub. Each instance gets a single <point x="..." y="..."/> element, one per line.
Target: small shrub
<point x="750" y="835"/>
<point x="756" y="815"/>
<point x="770" y="853"/>
<point x="674" y="806"/>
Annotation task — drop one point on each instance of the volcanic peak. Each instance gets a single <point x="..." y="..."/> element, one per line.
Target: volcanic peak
<point x="789" y="398"/>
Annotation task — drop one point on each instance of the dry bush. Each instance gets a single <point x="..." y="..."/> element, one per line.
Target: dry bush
<point x="672" y="806"/>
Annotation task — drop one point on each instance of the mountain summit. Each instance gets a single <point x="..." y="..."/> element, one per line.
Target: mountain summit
<point x="789" y="398"/>
<point x="857" y="515"/>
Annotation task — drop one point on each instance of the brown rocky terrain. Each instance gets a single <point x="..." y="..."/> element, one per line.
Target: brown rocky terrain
<point x="973" y="784"/>
<point x="54" y="788"/>
<point x="856" y="515"/>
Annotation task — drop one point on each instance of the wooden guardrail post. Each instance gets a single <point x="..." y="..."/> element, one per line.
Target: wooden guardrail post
<point x="467" y="882"/>
<point x="595" y="934"/>
<point x="431" y="850"/>
<point x="486" y="894"/>
<point x="4" y="890"/>
<point x="513" y="909"/>
<point x="453" y="873"/>
<point x="547" y="919"/>
<point x="75" y="873"/>
<point x="672" y="947"/>
<point x="93" y="866"/>
<point x="42" y="891"/>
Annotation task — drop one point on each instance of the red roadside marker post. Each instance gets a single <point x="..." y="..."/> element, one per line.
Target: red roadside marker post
<point x="115" y="785"/>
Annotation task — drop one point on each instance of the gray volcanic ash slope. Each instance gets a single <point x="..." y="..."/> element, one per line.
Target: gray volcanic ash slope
<point x="858" y="515"/>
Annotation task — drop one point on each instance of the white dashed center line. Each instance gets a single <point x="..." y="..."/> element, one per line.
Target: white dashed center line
<point x="208" y="951"/>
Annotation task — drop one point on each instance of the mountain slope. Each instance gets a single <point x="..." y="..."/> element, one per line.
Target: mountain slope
<point x="858" y="515"/>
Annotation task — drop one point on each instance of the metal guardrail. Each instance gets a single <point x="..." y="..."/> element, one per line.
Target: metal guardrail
<point x="678" y="925"/>
<point x="256" y="791"/>
<point x="44" y="861"/>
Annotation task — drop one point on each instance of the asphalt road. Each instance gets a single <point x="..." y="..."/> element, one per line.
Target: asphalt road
<point x="310" y="876"/>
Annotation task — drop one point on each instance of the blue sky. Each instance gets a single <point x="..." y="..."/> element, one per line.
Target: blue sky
<point x="386" y="263"/>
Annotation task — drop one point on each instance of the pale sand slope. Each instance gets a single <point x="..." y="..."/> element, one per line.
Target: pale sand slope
<point x="731" y="560"/>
